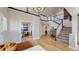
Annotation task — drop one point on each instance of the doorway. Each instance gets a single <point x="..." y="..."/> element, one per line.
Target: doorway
<point x="45" y="29"/>
<point x="26" y="31"/>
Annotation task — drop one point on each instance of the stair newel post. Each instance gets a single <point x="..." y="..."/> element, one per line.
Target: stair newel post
<point x="55" y="34"/>
<point x="62" y="23"/>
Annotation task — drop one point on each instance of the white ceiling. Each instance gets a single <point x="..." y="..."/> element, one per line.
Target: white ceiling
<point x="76" y="9"/>
<point x="48" y="10"/>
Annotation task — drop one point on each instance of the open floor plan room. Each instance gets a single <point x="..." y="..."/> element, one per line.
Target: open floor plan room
<point x="39" y="29"/>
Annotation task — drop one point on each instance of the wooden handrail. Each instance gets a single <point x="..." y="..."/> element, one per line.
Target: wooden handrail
<point x="59" y="24"/>
<point x="56" y="22"/>
<point x="26" y="11"/>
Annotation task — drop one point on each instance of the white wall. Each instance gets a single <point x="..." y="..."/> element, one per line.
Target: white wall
<point x="78" y="28"/>
<point x="29" y="28"/>
<point x="6" y="36"/>
<point x="3" y="23"/>
<point x="3" y="11"/>
<point x="67" y="23"/>
<point x="11" y="27"/>
<point x="40" y="24"/>
<point x="73" y="42"/>
<point x="3" y="18"/>
<point x="16" y="18"/>
<point x="35" y="31"/>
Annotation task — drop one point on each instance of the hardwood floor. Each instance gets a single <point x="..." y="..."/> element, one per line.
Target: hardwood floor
<point x="27" y="38"/>
<point x="47" y="42"/>
<point x="50" y="44"/>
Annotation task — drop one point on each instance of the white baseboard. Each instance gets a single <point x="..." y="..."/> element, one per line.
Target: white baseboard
<point x="74" y="48"/>
<point x="36" y="38"/>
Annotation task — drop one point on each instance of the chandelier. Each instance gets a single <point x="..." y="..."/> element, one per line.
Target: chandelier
<point x="38" y="9"/>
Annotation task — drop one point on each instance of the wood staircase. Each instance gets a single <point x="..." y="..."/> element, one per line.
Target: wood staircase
<point x="64" y="34"/>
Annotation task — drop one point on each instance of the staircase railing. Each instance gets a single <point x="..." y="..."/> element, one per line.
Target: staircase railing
<point x="57" y="29"/>
<point x="58" y="25"/>
<point x="54" y="22"/>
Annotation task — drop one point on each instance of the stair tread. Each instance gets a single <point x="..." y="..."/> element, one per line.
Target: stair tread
<point x="64" y="34"/>
<point x="63" y="38"/>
